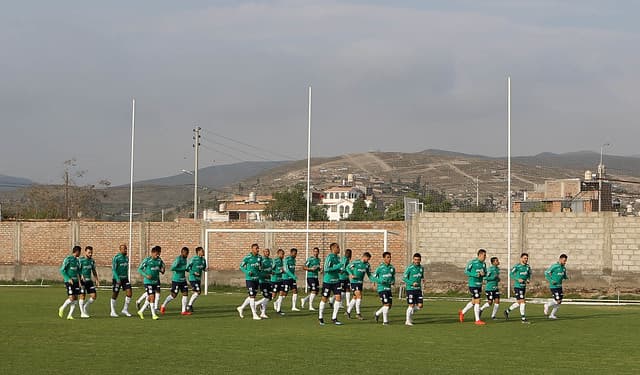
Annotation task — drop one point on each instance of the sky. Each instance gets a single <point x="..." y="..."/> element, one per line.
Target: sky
<point x="386" y="76"/>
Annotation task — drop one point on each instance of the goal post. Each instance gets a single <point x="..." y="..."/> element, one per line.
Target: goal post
<point x="383" y="232"/>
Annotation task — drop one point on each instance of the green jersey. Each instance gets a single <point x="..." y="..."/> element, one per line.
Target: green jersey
<point x="277" y="270"/>
<point x="70" y="269"/>
<point x="289" y="268"/>
<point x="332" y="265"/>
<point x="120" y="267"/>
<point x="344" y="275"/>
<point x="266" y="269"/>
<point x="150" y="270"/>
<point x="475" y="270"/>
<point x="413" y="277"/>
<point x="493" y="278"/>
<point x="555" y="274"/>
<point x="179" y="268"/>
<point x="385" y="276"/>
<point x="250" y="265"/>
<point x="359" y="269"/>
<point x="520" y="271"/>
<point x="87" y="267"/>
<point x="313" y="263"/>
<point x="197" y="265"/>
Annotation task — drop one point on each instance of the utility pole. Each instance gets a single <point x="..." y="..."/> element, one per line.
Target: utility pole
<point x="196" y="146"/>
<point x="477" y="193"/>
<point x="601" y="176"/>
<point x="66" y="193"/>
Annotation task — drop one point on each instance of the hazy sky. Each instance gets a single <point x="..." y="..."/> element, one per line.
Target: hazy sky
<point x="386" y="75"/>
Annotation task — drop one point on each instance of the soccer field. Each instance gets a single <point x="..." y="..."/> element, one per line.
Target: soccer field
<point x="214" y="340"/>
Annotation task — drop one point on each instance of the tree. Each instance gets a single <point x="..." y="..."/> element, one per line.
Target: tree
<point x="290" y="204"/>
<point x="361" y="212"/>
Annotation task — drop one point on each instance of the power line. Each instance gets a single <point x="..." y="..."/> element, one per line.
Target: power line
<point x="288" y="157"/>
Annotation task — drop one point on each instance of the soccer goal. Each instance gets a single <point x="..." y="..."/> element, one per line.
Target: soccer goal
<point x="287" y="237"/>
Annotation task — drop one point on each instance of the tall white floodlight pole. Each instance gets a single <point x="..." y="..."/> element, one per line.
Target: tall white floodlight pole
<point x="196" y="145"/>
<point x="133" y="132"/>
<point x="308" y="182"/>
<point x="509" y="186"/>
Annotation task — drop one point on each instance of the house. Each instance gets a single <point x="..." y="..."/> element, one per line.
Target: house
<point x="339" y="201"/>
<point x="240" y="208"/>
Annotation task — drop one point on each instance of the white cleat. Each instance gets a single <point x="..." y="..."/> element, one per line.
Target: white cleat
<point x="85" y="315"/>
<point x="239" y="310"/>
<point x="408" y="323"/>
<point x="256" y="317"/>
<point x="553" y="317"/>
<point x="114" y="315"/>
<point x="125" y="313"/>
<point x="311" y="309"/>
<point x="264" y="316"/>
<point x="295" y="309"/>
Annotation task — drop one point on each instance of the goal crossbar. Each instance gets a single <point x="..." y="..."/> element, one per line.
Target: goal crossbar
<point x="384" y="232"/>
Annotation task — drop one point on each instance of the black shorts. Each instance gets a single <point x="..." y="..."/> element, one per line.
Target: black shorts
<point x="196" y="285"/>
<point x="356" y="286"/>
<point x="492" y="294"/>
<point x="385" y="297"/>
<point x="265" y="287"/>
<point x="87" y="286"/>
<point x="328" y="288"/>
<point x="518" y="293"/>
<point x="276" y="286"/>
<point x="179" y="286"/>
<point x="73" y="287"/>
<point x="313" y="284"/>
<point x="475" y="292"/>
<point x="557" y="294"/>
<point x="124" y="284"/>
<point x="289" y="284"/>
<point x="152" y="289"/>
<point x="414" y="297"/>
<point x="346" y="285"/>
<point x="252" y="287"/>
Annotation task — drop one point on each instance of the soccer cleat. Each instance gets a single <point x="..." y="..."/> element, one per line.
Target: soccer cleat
<point x="281" y="313"/>
<point x="494" y="318"/>
<point x="348" y="314"/>
<point x="256" y="317"/>
<point x="155" y="317"/>
<point x="85" y="315"/>
<point x="385" y="323"/>
<point x="506" y="314"/>
<point x="553" y="317"/>
<point x="546" y="309"/>
<point x="140" y="314"/>
<point x="264" y="316"/>
<point x="321" y="321"/>
<point x="336" y="322"/>
<point x="460" y="316"/>
<point x="61" y="312"/>
<point x="480" y="323"/>
<point x="189" y="308"/>
<point x="114" y="314"/>
<point x="163" y="309"/>
<point x="185" y="313"/>
<point x="311" y="309"/>
<point x="125" y="313"/>
<point x="359" y="317"/>
<point x="295" y="309"/>
<point x="239" y="309"/>
<point x="69" y="317"/>
<point x="525" y="321"/>
<point x="377" y="317"/>
<point x="408" y="323"/>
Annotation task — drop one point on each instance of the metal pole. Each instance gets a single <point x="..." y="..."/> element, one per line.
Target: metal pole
<point x="196" y="145"/>
<point x="133" y="132"/>
<point x="308" y="185"/>
<point x="509" y="186"/>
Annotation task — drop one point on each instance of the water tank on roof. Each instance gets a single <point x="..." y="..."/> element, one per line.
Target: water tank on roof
<point x="252" y="196"/>
<point x="587" y="175"/>
<point x="222" y="207"/>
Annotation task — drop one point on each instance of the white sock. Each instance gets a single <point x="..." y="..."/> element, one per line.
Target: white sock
<point x="167" y="300"/>
<point x="245" y="302"/>
<point x="294" y="300"/>
<point x="252" y="304"/>
<point x="81" y="305"/>
<point x="522" y="310"/>
<point x="72" y="308"/>
<point x="87" y="303"/>
<point x="555" y="309"/>
<point x="358" y="303"/>
<point x="468" y="307"/>
<point x="127" y="301"/>
<point x="185" y="299"/>
<point x="194" y="296"/>
<point x="514" y="306"/>
<point x="348" y="297"/>
<point x="113" y="306"/>
<point x="385" y="314"/>
<point x="486" y="304"/>
<point x="264" y="305"/>
<point x="155" y="302"/>
<point x="312" y="296"/>
<point x="144" y="306"/>
<point x="332" y="299"/>
<point x="321" y="309"/>
<point x="142" y="297"/>
<point x="66" y="303"/>
<point x="379" y="311"/>
<point x="476" y="311"/>
<point x="336" y="308"/>
<point x="350" y="305"/>
<point x="495" y="309"/>
<point x="279" y="302"/>
<point x="409" y="313"/>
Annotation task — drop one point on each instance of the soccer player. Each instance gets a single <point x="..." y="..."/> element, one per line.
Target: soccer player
<point x="555" y="274"/>
<point x="343" y="276"/>
<point x="521" y="274"/>
<point x="250" y="265"/>
<point x="197" y="265"/>
<point x="413" y="278"/>
<point x="266" y="268"/>
<point x="476" y="270"/>
<point x="385" y="277"/>
<point x="312" y="266"/>
<point x="276" y="281"/>
<point x="492" y="291"/>
<point x="289" y="278"/>
<point x="120" y="271"/>
<point x="357" y="271"/>
<point x="331" y="284"/>
<point x="70" y="271"/>
<point x="87" y="271"/>
<point x="178" y="282"/>
<point x="143" y="296"/>
<point x="150" y="269"/>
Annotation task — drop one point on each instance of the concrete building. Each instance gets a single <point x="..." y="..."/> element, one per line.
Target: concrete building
<point x="567" y="195"/>
<point x="339" y="201"/>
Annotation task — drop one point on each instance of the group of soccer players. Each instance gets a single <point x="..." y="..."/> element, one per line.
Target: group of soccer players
<point x="275" y="278"/>
<point x="78" y="273"/>
<point x="477" y="271"/>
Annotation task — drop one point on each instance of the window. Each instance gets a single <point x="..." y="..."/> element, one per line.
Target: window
<point x="341" y="210"/>
<point x="346" y="210"/>
<point x="334" y="208"/>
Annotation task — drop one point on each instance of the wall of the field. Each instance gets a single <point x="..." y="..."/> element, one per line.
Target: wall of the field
<point x="603" y="249"/>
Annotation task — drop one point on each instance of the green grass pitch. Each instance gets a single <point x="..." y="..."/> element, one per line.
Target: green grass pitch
<point x="214" y="340"/>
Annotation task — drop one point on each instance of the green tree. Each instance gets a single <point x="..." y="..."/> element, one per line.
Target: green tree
<point x="361" y="212"/>
<point x="290" y="204"/>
